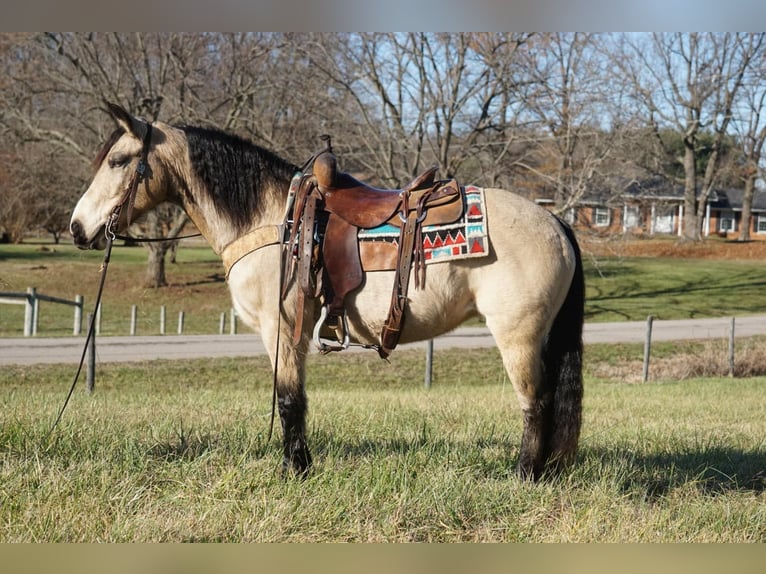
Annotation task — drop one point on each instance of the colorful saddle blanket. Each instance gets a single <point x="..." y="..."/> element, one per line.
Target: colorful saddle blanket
<point x="467" y="237"/>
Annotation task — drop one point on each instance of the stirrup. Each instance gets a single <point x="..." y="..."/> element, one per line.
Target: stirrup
<point x="335" y="345"/>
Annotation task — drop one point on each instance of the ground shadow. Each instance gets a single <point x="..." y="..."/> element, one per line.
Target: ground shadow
<point x="213" y="278"/>
<point x="712" y="471"/>
<point x="183" y="447"/>
<point x="189" y="445"/>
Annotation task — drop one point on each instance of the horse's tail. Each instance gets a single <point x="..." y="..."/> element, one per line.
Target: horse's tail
<point x="563" y="365"/>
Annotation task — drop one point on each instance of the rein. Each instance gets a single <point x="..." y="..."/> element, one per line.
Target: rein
<point x="128" y="198"/>
<point x="154" y="239"/>
<point x="91" y="327"/>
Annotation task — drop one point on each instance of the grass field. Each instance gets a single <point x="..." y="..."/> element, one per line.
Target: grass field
<point x="618" y="288"/>
<point x="196" y="287"/>
<point x="178" y="451"/>
<point x="167" y="451"/>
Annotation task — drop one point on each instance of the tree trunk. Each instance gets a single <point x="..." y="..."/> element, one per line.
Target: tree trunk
<point x="690" y="230"/>
<point x="155" y="265"/>
<point x="155" y="268"/>
<point x="747" y="204"/>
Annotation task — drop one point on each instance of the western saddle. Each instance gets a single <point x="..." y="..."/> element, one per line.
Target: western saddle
<point x="327" y="211"/>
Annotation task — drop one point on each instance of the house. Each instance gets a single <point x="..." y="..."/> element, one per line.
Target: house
<point x="725" y="214"/>
<point x="655" y="206"/>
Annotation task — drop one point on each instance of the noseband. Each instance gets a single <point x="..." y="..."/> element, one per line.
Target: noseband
<point x="129" y="195"/>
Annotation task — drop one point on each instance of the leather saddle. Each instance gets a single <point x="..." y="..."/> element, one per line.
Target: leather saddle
<point x="329" y="209"/>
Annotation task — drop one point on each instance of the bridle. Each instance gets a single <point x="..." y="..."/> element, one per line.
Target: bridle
<point x="128" y="199"/>
<point x="129" y="195"/>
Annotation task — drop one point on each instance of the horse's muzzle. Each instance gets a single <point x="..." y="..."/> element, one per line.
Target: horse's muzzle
<point x="82" y="241"/>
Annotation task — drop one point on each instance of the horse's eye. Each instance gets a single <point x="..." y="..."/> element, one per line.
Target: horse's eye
<point x="118" y="161"/>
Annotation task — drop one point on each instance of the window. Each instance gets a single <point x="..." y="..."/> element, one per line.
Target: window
<point x="760" y="223"/>
<point x="602" y="216"/>
<point x="570" y="216"/>
<point x="631" y="216"/>
<point x="726" y="221"/>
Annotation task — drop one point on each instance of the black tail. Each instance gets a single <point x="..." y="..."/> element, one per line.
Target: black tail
<point x="563" y="366"/>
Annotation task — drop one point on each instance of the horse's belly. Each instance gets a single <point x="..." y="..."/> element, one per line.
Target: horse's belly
<point x="437" y="308"/>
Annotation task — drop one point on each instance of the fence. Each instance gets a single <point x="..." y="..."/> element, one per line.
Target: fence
<point x="31" y="299"/>
<point x="648" y="347"/>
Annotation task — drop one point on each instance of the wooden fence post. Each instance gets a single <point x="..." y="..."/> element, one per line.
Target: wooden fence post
<point x="98" y="319"/>
<point x="647" y="347"/>
<point x="429" y="363"/>
<point x="731" y="348"/>
<point x="79" y="302"/>
<point x="163" y="313"/>
<point x="133" y="319"/>
<point x="29" y="312"/>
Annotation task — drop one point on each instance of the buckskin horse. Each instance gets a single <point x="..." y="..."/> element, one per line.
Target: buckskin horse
<point x="528" y="285"/>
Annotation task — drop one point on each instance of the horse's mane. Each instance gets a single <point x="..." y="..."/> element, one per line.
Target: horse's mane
<point x="234" y="172"/>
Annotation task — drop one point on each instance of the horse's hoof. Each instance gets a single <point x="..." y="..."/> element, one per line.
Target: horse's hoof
<point x="528" y="472"/>
<point x="298" y="465"/>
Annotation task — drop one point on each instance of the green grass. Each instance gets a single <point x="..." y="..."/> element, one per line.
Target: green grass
<point x="618" y="289"/>
<point x="672" y="288"/>
<point x="196" y="287"/>
<point x="167" y="451"/>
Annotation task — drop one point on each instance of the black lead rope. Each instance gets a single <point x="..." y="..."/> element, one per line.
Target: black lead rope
<point x="155" y="239"/>
<point x="110" y="237"/>
<point x="127" y="200"/>
<point x="92" y="326"/>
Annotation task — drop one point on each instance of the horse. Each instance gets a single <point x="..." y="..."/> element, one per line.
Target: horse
<point x="528" y="288"/>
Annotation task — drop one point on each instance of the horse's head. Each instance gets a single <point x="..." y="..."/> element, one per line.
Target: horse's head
<point x="124" y="185"/>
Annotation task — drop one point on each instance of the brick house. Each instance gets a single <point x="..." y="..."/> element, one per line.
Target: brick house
<point x="656" y="207"/>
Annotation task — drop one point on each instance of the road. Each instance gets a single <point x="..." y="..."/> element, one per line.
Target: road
<point x="38" y="350"/>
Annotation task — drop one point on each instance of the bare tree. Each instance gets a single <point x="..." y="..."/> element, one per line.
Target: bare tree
<point x="570" y="113"/>
<point x="402" y="102"/>
<point x="69" y="76"/>
<point x="736" y="54"/>
<point x="751" y="128"/>
<point x="688" y="81"/>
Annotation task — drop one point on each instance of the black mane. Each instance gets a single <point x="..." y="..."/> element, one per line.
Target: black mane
<point x="235" y="172"/>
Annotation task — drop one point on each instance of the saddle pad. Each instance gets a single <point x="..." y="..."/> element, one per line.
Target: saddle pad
<point x="465" y="238"/>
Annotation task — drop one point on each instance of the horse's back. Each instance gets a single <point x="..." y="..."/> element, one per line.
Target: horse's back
<point x="522" y="281"/>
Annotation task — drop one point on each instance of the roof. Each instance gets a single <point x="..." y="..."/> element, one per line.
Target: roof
<point x="657" y="188"/>
<point x="732" y="199"/>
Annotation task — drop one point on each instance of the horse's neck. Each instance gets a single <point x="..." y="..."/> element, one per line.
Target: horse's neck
<point x="217" y="228"/>
<point x="189" y="191"/>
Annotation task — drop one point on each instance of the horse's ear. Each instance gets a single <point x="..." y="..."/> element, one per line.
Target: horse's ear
<point x="126" y="121"/>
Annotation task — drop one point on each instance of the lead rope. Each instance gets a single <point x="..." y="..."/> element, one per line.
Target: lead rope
<point x="284" y="251"/>
<point x="127" y="199"/>
<point x="91" y="328"/>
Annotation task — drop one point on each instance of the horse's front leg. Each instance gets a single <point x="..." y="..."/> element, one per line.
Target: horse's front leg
<point x="292" y="402"/>
<point x="291" y="399"/>
<point x="257" y="301"/>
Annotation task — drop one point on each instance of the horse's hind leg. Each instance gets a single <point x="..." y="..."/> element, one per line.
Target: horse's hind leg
<point x="522" y="361"/>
